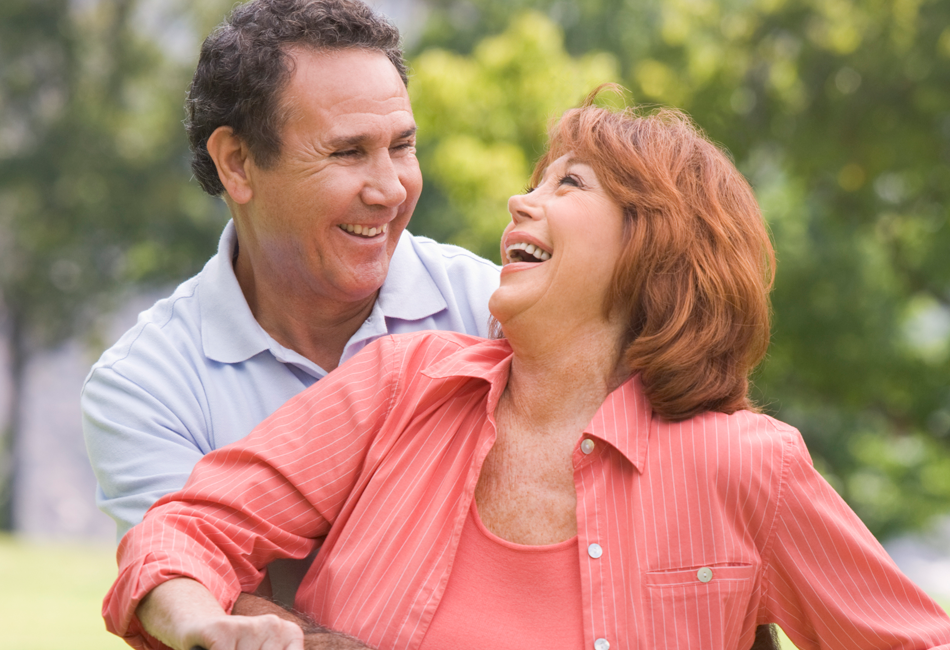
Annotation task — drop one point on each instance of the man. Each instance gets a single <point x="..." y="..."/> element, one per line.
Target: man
<point x="299" y="117"/>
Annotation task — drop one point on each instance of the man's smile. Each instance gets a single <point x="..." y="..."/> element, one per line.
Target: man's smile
<point x="364" y="231"/>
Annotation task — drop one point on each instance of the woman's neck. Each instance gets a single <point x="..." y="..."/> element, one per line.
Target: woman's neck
<point x="560" y="379"/>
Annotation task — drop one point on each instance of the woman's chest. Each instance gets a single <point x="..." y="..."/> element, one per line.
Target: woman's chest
<point x="525" y="490"/>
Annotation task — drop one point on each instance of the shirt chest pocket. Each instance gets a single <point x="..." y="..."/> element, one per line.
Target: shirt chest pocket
<point x="699" y="607"/>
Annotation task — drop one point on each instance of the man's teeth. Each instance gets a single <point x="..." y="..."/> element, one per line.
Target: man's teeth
<point x="363" y="231"/>
<point x="530" y="250"/>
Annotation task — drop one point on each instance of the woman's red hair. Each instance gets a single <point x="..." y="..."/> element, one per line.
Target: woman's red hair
<point x="695" y="274"/>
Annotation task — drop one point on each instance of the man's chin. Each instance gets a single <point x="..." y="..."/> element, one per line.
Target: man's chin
<point x="363" y="281"/>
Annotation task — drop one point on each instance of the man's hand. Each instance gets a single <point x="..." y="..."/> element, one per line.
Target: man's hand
<point x="315" y="637"/>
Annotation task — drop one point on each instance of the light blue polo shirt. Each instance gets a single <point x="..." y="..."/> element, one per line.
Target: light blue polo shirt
<point x="198" y="372"/>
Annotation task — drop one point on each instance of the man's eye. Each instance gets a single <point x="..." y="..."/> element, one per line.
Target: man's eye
<point x="345" y="153"/>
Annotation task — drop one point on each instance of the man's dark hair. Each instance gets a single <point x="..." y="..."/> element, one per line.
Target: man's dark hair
<point x="244" y="66"/>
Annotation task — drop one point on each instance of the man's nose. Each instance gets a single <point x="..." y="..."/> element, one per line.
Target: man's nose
<point x="384" y="186"/>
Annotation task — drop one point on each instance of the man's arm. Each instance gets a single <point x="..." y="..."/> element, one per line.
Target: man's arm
<point x="143" y="436"/>
<point x="316" y="637"/>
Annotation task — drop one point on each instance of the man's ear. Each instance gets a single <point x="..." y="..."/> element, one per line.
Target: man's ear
<point x="232" y="158"/>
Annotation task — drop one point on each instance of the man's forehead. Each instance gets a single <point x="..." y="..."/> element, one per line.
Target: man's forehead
<point x="348" y="95"/>
<point x="345" y="70"/>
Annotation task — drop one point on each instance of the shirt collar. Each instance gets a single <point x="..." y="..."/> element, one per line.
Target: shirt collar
<point x="229" y="331"/>
<point x="624" y="420"/>
<point x="231" y="334"/>
<point x="409" y="292"/>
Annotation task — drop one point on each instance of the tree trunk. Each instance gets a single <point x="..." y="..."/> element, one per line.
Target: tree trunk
<point x="10" y="429"/>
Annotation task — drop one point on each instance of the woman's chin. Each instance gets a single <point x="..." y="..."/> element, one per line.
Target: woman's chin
<point x="502" y="307"/>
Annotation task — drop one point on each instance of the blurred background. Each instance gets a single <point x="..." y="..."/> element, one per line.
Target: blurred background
<point x="837" y="111"/>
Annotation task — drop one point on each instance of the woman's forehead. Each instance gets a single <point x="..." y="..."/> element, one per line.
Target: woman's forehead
<point x="562" y="162"/>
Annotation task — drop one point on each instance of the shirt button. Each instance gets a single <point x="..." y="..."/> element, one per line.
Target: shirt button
<point x="601" y="644"/>
<point x="588" y="446"/>
<point x="595" y="551"/>
<point x="704" y="574"/>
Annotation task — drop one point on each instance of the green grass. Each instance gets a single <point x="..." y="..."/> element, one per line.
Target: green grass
<point x="51" y="596"/>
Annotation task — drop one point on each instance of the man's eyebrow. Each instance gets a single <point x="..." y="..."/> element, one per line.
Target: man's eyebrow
<point x="356" y="140"/>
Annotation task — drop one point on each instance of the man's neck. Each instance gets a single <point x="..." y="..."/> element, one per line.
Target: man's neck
<point x="316" y="332"/>
<point x="317" y="327"/>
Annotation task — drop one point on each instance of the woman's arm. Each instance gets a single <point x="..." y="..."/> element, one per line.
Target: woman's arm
<point x="830" y="583"/>
<point x="271" y="495"/>
<point x="182" y="614"/>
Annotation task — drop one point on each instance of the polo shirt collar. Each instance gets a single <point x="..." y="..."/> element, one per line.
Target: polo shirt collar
<point x="231" y="334"/>
<point x="229" y="331"/>
<point x="409" y="292"/>
<point x="624" y="419"/>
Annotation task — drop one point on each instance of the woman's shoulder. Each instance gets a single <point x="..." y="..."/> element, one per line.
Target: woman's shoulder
<point x="741" y="426"/>
<point x="750" y="442"/>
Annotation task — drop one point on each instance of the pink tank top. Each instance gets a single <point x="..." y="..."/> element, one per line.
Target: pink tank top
<point x="504" y="596"/>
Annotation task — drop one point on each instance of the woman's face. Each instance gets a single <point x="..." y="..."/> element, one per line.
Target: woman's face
<point x="560" y="249"/>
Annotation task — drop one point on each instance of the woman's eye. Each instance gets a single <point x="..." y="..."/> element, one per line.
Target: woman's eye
<point x="528" y="189"/>
<point x="569" y="179"/>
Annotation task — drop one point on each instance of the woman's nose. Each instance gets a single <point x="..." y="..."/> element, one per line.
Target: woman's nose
<point x="520" y="207"/>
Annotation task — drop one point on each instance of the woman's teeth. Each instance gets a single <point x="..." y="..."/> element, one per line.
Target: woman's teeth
<point x="522" y="252"/>
<point x="363" y="231"/>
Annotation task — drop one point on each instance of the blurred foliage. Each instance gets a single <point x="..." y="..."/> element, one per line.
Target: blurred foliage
<point x="838" y="111"/>
<point x="482" y="122"/>
<point x="94" y="191"/>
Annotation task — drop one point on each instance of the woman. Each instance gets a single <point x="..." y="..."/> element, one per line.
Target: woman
<point x="595" y="479"/>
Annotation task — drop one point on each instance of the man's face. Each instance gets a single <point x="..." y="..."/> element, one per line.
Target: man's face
<point x="324" y="220"/>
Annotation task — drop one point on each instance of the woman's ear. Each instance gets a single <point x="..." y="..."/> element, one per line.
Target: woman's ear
<point x="232" y="158"/>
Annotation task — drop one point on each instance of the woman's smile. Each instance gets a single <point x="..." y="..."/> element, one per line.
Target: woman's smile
<point x="569" y="226"/>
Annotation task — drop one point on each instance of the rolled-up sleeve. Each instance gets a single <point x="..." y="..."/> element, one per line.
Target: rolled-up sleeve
<point x="272" y="495"/>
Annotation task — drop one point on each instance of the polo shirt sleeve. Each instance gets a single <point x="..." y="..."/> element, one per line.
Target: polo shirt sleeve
<point x="273" y="494"/>
<point x="830" y="583"/>
<point x="144" y="425"/>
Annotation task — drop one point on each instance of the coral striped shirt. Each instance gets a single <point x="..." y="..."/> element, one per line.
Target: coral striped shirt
<point x="703" y="529"/>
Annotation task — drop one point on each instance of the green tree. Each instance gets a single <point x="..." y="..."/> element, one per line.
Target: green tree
<point x="839" y="114"/>
<point x="482" y="121"/>
<point x="94" y="192"/>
